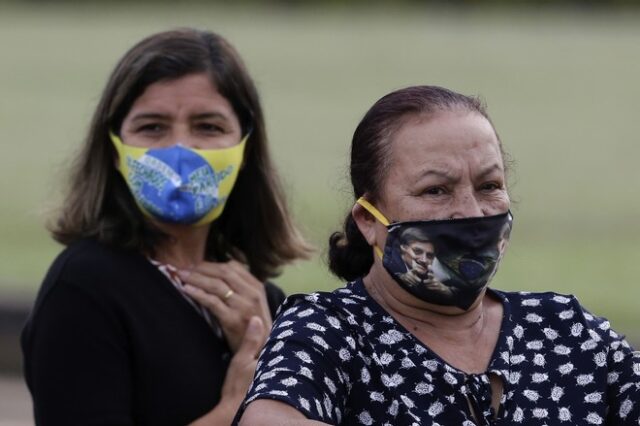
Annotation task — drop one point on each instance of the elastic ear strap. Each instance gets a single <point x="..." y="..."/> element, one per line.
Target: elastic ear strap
<point x="124" y="149"/>
<point x="375" y="212"/>
<point x="378" y="251"/>
<point x="117" y="142"/>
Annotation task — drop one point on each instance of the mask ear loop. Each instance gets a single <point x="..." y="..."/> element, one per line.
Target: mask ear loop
<point x="371" y="209"/>
<point x="376" y="213"/>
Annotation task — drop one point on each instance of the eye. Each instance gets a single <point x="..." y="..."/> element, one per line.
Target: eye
<point x="435" y="190"/>
<point x="490" y="186"/>
<point x="209" y="127"/>
<point x="151" y="128"/>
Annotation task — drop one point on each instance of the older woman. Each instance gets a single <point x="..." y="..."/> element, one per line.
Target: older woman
<point x="440" y="348"/>
<point x="156" y="310"/>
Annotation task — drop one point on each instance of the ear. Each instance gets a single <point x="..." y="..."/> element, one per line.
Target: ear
<point x="365" y="222"/>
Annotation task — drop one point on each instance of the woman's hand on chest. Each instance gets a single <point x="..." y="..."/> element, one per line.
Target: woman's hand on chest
<point x="231" y="293"/>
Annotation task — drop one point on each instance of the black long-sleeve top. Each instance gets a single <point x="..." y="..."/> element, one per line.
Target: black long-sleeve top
<point x="110" y="341"/>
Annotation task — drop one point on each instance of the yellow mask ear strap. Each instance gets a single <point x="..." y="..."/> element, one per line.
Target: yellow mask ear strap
<point x="378" y="251"/>
<point x="116" y="141"/>
<point x="375" y="212"/>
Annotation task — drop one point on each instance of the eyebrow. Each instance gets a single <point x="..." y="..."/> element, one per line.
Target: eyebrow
<point x="209" y="115"/>
<point x="449" y="176"/>
<point x="161" y="116"/>
<point x="489" y="169"/>
<point x="435" y="172"/>
<point x="149" y="116"/>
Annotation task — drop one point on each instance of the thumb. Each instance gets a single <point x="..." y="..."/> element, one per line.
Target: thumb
<point x="253" y="339"/>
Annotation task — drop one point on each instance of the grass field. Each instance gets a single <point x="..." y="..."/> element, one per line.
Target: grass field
<point x="562" y="89"/>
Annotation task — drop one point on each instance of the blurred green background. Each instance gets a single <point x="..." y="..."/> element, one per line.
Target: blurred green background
<point x="562" y="87"/>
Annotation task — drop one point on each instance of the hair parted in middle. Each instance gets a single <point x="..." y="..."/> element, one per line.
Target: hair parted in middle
<point x="255" y="224"/>
<point x="350" y="256"/>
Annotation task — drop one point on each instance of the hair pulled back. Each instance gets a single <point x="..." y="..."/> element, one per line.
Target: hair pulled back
<point x="350" y="256"/>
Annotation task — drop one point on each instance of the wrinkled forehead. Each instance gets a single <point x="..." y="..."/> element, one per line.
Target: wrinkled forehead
<point x="449" y="131"/>
<point x="446" y="142"/>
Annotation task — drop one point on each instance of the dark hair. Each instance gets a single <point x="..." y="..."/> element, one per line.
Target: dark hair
<point x="255" y="224"/>
<point x="412" y="234"/>
<point x="350" y="256"/>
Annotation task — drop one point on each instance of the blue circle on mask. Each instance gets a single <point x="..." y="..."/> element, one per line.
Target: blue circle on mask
<point x="174" y="184"/>
<point x="471" y="269"/>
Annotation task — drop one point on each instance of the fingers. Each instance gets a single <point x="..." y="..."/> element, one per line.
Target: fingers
<point x="211" y="301"/>
<point x="232" y="294"/>
<point x="219" y="278"/>
<point x="210" y="285"/>
<point x="253" y="339"/>
<point x="233" y="273"/>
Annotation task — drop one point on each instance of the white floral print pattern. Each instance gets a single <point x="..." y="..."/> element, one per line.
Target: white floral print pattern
<point x="341" y="359"/>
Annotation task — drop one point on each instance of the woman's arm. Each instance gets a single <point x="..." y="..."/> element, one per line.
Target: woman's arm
<point x="303" y="366"/>
<point x="623" y="380"/>
<point x="76" y="362"/>
<point x="238" y="378"/>
<point x="624" y="384"/>
<point x="266" y="412"/>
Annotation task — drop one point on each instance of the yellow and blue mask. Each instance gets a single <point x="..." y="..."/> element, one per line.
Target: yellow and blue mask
<point x="177" y="184"/>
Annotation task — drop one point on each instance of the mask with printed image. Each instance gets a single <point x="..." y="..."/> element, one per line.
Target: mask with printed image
<point x="445" y="262"/>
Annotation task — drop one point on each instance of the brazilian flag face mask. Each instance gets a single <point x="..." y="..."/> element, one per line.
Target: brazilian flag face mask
<point x="177" y="184"/>
<point x="445" y="262"/>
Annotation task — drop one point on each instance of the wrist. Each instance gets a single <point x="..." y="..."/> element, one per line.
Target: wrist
<point x="222" y="414"/>
<point x="227" y="407"/>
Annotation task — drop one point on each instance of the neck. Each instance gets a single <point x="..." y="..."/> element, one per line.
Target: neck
<point x="416" y="315"/>
<point x="186" y="246"/>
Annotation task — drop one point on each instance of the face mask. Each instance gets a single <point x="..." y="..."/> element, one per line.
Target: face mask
<point x="444" y="262"/>
<point x="178" y="184"/>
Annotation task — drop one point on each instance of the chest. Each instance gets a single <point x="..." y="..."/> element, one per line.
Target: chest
<point x="409" y="385"/>
<point x="177" y="361"/>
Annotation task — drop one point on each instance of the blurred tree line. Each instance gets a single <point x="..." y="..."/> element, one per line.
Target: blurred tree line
<point x="586" y="4"/>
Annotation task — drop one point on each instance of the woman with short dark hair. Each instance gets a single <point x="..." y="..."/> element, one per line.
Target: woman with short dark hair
<point x="436" y="348"/>
<point x="173" y="221"/>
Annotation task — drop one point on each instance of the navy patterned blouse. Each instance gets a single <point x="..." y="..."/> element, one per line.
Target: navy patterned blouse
<point x="341" y="359"/>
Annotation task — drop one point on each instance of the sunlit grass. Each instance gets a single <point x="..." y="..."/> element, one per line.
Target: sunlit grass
<point x="562" y="90"/>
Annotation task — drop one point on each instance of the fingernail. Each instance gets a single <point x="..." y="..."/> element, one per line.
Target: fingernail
<point x="184" y="273"/>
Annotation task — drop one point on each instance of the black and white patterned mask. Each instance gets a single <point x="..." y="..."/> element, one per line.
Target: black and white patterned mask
<point x="445" y="262"/>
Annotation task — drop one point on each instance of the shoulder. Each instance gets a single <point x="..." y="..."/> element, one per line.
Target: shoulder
<point x="532" y="305"/>
<point x="90" y="261"/>
<point x="313" y="331"/>
<point x="557" y="315"/>
<point x="340" y="302"/>
<point x="325" y="319"/>
<point x="82" y="286"/>
<point x="307" y="360"/>
<point x="92" y="269"/>
<point x="88" y="256"/>
<point x="544" y="301"/>
<point x="275" y="297"/>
